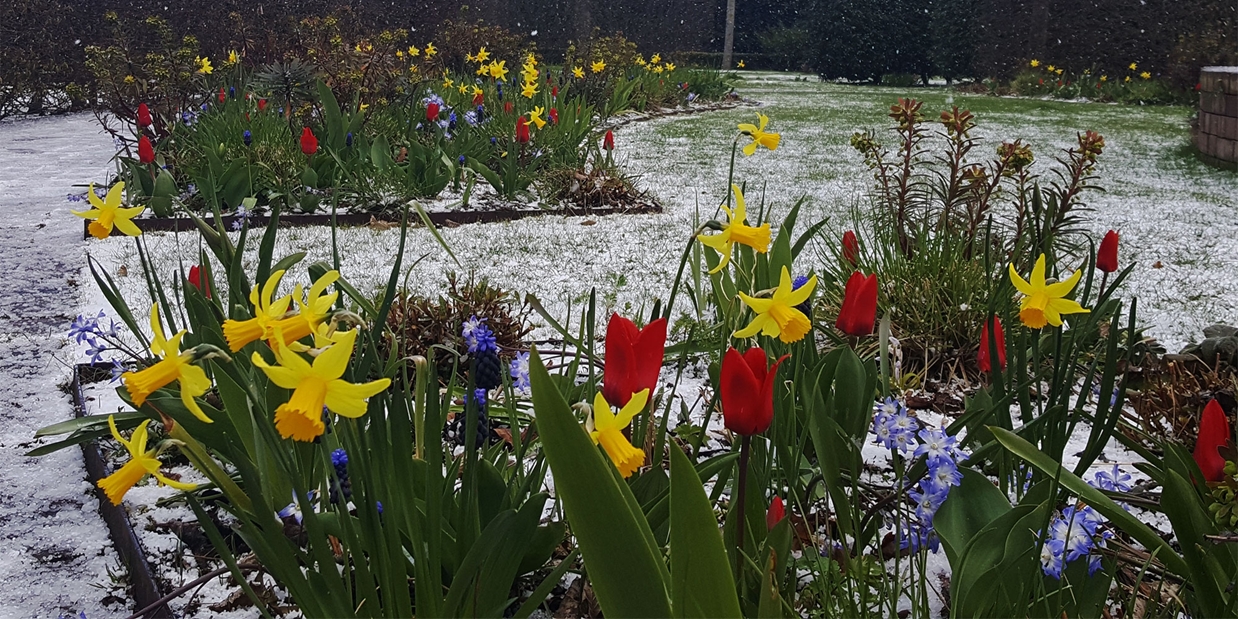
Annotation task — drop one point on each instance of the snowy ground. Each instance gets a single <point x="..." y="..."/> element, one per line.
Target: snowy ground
<point x="1169" y="208"/>
<point x="56" y="554"/>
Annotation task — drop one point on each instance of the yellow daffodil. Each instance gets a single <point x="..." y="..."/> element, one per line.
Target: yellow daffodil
<point x="1045" y="303"/>
<point x="1052" y="69"/>
<point x="174" y="366"/>
<point x="740" y="65"/>
<point x="1128" y="78"/>
<point x="498" y="70"/>
<point x="448" y="82"/>
<point x="108" y="213"/>
<point x="313" y="311"/>
<point x="129" y="79"/>
<point x="1134" y="66"/>
<point x="399" y="53"/>
<point x="530" y="59"/>
<point x="736" y="231"/>
<point x="233" y="57"/>
<point x="239" y="333"/>
<point x="607" y="431"/>
<point x="316" y="385"/>
<point x="759" y="136"/>
<point x="529" y="89"/>
<point x="640" y="60"/>
<point x="670" y="66"/>
<point x="657" y="69"/>
<point x="482" y="55"/>
<point x="1035" y="63"/>
<point x="1104" y="78"/>
<point x="535" y="117"/>
<point x="1059" y="71"/>
<point x="1145" y="75"/>
<point x="598" y="66"/>
<point x="470" y="57"/>
<point x="413" y="69"/>
<point x="204" y="65"/>
<point x="655" y="59"/>
<point x="578" y="72"/>
<point x="141" y="463"/>
<point x="413" y="51"/>
<point x="477" y="90"/>
<point x="463" y="88"/>
<point x="777" y="316"/>
<point x="482" y="70"/>
<point x="430" y="51"/>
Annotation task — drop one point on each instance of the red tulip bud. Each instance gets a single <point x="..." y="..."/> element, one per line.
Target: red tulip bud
<point x="432" y="112"/>
<point x="859" y="310"/>
<point x="146" y="152"/>
<point x="554" y="115"/>
<point x="776" y="512"/>
<point x="554" y="92"/>
<point x="633" y="358"/>
<point x="144" y="119"/>
<point x="478" y="99"/>
<point x="1213" y="434"/>
<point x="197" y="281"/>
<point x="223" y="96"/>
<point x="746" y="388"/>
<point x="851" y="247"/>
<point x="309" y="143"/>
<point x="262" y="105"/>
<point x="982" y="355"/>
<point x="1107" y="255"/>
<point x="608" y="141"/>
<point x="1198" y="86"/>
<point x="507" y="107"/>
<point x="522" y="134"/>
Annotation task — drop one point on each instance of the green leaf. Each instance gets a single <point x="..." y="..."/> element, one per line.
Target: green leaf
<point x="701" y="581"/>
<point x="628" y="576"/>
<point x="1093" y="497"/>
<point x="968" y="509"/>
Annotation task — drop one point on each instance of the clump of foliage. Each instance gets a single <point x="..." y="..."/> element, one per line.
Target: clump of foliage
<point x="417" y="323"/>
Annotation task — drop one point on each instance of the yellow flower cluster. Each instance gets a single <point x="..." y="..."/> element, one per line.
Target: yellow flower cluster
<point x="529" y="74"/>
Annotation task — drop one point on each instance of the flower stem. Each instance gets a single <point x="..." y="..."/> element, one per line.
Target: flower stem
<point x="738" y="501"/>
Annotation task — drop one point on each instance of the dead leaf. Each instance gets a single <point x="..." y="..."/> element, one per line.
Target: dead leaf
<point x="588" y="222"/>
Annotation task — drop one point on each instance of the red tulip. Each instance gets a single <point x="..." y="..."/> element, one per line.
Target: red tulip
<point x="146" y="152"/>
<point x="478" y="99"/>
<point x="223" y="96"/>
<point x="1107" y="255"/>
<point x="554" y="92"/>
<point x="608" y="141"/>
<point x="522" y="136"/>
<point x="776" y="512"/>
<point x="432" y="112"/>
<point x="982" y="355"/>
<point x="1198" y="86"/>
<point x="747" y="390"/>
<point x="1213" y="434"/>
<point x="197" y="281"/>
<point x="507" y="107"/>
<point x="859" y="310"/>
<point x="554" y="115"/>
<point x="262" y="105"/>
<point x="144" y="119"/>
<point x="309" y="143"/>
<point x="633" y="358"/>
<point x="851" y="247"/>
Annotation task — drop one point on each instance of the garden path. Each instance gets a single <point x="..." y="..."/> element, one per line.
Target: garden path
<point x="54" y="549"/>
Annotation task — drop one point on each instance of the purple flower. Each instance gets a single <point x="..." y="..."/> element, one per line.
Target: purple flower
<point x="520" y="372"/>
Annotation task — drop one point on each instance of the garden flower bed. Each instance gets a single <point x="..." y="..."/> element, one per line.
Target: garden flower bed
<point x="860" y="487"/>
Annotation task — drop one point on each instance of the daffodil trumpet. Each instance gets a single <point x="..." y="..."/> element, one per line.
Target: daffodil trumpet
<point x="175" y="366"/>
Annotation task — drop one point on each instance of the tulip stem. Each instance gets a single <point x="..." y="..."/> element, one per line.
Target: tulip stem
<point x="738" y="501"/>
<point x="1104" y="279"/>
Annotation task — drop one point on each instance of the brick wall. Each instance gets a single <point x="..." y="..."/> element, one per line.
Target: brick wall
<point x="1218" y="113"/>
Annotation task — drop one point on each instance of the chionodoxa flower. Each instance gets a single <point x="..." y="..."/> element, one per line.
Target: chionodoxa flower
<point x="141" y="463"/>
<point x="736" y="231"/>
<point x="316" y="386"/>
<point x="1045" y="303"/>
<point x="174" y="366"/>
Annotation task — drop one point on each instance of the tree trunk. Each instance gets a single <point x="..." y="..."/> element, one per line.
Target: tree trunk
<point x="729" y="41"/>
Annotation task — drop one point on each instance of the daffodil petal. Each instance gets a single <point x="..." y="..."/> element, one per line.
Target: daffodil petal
<point x="1063" y="288"/>
<point x="1020" y="284"/>
<point x="347" y="399"/>
<point x="282" y="376"/>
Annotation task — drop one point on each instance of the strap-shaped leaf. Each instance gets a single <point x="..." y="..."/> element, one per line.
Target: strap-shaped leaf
<point x="626" y="573"/>
<point x="701" y="581"/>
